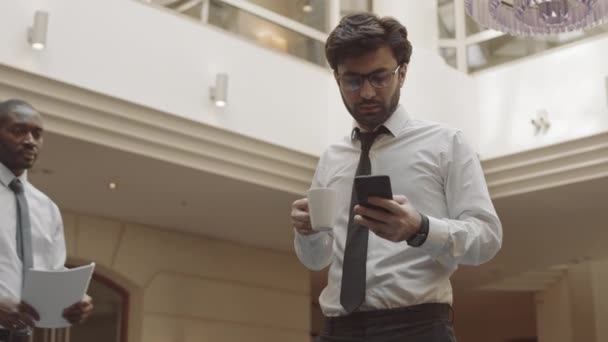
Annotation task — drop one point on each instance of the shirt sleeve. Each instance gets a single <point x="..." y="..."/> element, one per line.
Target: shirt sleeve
<point x="315" y="251"/>
<point x="472" y="234"/>
<point x="59" y="249"/>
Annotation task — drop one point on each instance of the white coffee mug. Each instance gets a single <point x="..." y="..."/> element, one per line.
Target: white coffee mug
<point x="322" y="205"/>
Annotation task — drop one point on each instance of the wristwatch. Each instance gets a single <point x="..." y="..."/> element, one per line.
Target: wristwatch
<point x="419" y="238"/>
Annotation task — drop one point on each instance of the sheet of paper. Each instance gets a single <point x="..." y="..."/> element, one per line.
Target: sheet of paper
<point x="50" y="292"/>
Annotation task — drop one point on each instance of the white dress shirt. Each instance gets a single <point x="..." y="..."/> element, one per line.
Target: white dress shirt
<point x="442" y="177"/>
<point x="48" y="243"/>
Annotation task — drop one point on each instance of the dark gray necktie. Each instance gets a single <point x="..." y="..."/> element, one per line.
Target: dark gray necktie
<point x="352" y="292"/>
<point x="24" y="229"/>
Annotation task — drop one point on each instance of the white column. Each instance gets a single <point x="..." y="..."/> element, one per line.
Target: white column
<point x="600" y="297"/>
<point x="575" y="308"/>
<point x="553" y="313"/>
<point x="333" y="13"/>
<point x="418" y="16"/>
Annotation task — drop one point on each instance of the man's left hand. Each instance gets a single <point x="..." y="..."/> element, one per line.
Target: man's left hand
<point x="400" y="222"/>
<point x="79" y="312"/>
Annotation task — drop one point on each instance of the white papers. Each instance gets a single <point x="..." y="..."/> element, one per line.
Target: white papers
<point x="50" y="292"/>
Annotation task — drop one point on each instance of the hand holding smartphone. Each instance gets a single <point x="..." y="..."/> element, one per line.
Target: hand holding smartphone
<point x="372" y="186"/>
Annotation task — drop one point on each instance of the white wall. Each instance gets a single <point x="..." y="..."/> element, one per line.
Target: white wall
<point x="420" y="18"/>
<point x="435" y="91"/>
<point x="569" y="83"/>
<point x="153" y="57"/>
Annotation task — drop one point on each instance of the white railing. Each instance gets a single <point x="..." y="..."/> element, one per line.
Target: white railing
<point x="332" y="15"/>
<point x="266" y="14"/>
<point x="278" y="19"/>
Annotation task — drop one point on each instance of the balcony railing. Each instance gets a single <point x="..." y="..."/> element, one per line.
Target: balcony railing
<point x="295" y="27"/>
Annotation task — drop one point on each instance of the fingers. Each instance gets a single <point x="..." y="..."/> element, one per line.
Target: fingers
<point x="304" y="228"/>
<point x="394" y="205"/>
<point x="301" y="204"/>
<point x="19" y="321"/>
<point x="400" y="199"/>
<point x="299" y="212"/>
<point x="393" y="223"/>
<point x="25" y="316"/>
<point x="29" y="310"/>
<point x="381" y="229"/>
<point x="300" y="218"/>
<point x="378" y="215"/>
<point x="79" y="312"/>
<point x="24" y="320"/>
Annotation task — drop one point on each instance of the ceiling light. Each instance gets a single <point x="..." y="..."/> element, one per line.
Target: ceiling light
<point x="112" y="185"/>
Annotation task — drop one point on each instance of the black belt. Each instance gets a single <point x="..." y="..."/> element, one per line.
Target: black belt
<point x="360" y="321"/>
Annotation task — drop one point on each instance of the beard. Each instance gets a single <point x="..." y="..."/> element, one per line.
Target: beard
<point x="371" y="120"/>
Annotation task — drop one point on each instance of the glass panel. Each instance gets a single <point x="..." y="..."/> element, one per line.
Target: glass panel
<point x="266" y="33"/>
<point x="508" y="48"/>
<point x="191" y="8"/>
<point x="313" y="13"/>
<point x="353" y="6"/>
<point x="473" y="27"/>
<point x="447" y="21"/>
<point x="449" y="55"/>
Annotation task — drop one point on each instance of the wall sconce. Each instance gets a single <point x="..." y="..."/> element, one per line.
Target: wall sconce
<point x="219" y="93"/>
<point x="541" y="123"/>
<point x="307" y="6"/>
<point x="36" y="34"/>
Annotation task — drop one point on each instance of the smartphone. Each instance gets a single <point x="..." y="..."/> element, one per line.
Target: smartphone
<point x="372" y="186"/>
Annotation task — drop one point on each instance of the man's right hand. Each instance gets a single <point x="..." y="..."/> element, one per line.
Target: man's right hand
<point x="16" y="317"/>
<point x="300" y="218"/>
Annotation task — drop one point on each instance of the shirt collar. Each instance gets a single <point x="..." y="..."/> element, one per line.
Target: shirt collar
<point x="394" y="124"/>
<point x="7" y="176"/>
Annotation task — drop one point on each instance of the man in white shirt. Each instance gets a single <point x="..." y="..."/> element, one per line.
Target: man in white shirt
<point x="43" y="246"/>
<point x="441" y="215"/>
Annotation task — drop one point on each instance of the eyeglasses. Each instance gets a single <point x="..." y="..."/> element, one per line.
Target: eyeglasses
<point x="377" y="79"/>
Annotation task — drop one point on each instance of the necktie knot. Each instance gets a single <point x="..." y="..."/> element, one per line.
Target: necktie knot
<point x="16" y="186"/>
<point x="368" y="138"/>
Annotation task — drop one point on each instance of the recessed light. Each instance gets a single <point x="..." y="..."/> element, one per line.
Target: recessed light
<point x="112" y="186"/>
<point x="307" y="8"/>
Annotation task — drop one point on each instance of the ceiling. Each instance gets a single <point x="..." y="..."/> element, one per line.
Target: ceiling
<point x="544" y="229"/>
<point x="151" y="192"/>
<point x="558" y="226"/>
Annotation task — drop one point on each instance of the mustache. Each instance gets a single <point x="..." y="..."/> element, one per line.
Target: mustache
<point x="369" y="103"/>
<point x="28" y="148"/>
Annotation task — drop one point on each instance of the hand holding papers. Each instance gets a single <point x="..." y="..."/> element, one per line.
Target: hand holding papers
<point x="50" y="292"/>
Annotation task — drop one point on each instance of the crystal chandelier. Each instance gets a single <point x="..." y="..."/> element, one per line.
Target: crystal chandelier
<point x="537" y="17"/>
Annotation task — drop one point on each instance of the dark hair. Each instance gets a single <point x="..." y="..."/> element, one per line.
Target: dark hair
<point x="10" y="106"/>
<point x="360" y="33"/>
